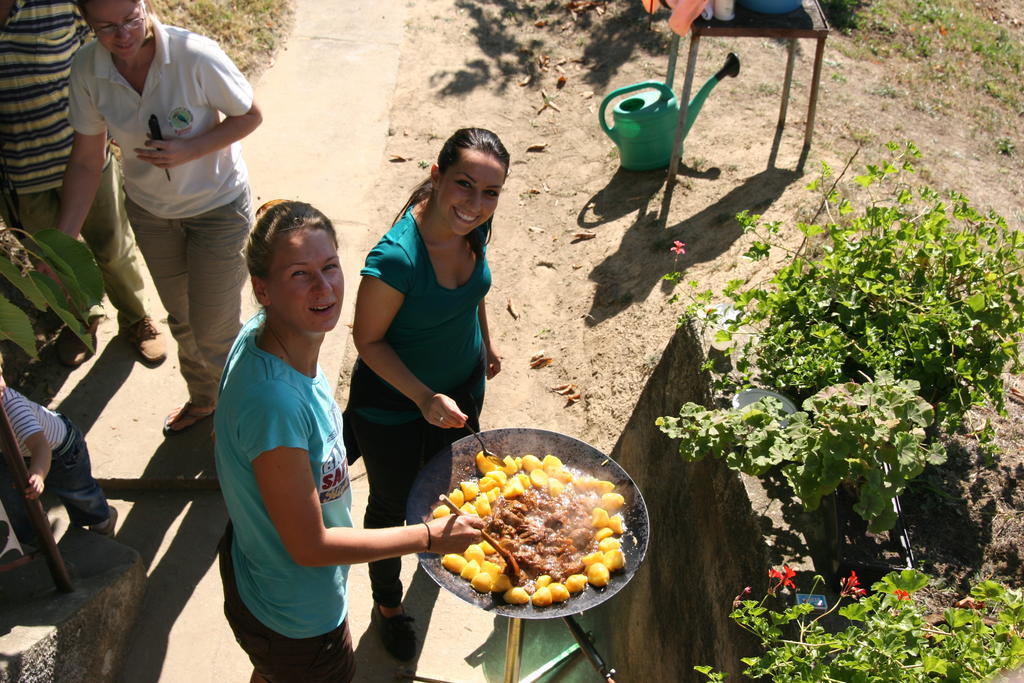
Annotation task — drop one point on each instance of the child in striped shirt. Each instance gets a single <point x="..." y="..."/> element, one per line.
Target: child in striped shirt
<point x="57" y="457"/>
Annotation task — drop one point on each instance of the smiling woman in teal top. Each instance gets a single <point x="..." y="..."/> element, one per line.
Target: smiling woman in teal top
<point x="424" y="344"/>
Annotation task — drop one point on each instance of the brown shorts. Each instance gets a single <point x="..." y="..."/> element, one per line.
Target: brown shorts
<point x="278" y="658"/>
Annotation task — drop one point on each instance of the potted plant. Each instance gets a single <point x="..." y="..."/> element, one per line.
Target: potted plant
<point x="915" y="283"/>
<point x="868" y="437"/>
<point x="885" y="636"/>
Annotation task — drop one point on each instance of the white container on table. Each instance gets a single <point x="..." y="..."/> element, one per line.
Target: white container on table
<point x="725" y="10"/>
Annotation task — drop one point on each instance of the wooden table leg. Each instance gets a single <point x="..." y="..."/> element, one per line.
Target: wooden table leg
<point x="673" y="55"/>
<point x="812" y="108"/>
<point x="784" y="107"/>
<point x="787" y="82"/>
<point x="684" y="100"/>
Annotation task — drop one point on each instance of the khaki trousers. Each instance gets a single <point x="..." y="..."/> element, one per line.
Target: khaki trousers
<point x="198" y="269"/>
<point x="107" y="233"/>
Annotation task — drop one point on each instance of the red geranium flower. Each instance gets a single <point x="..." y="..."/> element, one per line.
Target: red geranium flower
<point x="851" y="586"/>
<point x="901" y="594"/>
<point x="677" y="248"/>
<point x="783" y="578"/>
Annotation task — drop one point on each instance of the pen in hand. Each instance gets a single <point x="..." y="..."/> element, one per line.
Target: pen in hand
<point x="154" y="132"/>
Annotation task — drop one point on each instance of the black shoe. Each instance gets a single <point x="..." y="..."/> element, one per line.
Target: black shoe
<point x="397" y="634"/>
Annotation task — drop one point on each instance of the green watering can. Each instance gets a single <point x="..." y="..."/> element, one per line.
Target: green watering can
<point x="645" y="124"/>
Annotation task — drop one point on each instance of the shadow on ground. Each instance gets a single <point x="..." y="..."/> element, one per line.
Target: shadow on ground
<point x="193" y="520"/>
<point x="643" y="256"/>
<point x="512" y="36"/>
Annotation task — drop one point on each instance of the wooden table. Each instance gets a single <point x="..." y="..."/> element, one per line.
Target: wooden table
<point x="807" y="21"/>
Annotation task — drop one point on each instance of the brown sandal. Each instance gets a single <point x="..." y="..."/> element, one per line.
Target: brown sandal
<point x="184" y="417"/>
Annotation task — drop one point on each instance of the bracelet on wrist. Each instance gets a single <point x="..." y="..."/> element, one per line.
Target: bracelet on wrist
<point x="429" y="540"/>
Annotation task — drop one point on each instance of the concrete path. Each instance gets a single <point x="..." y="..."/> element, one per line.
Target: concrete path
<point x="326" y="106"/>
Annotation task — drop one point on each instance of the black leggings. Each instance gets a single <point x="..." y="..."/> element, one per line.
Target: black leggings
<point x="394" y="455"/>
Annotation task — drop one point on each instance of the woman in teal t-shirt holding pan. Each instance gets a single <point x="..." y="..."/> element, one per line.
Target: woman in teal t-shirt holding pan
<point x="423" y="341"/>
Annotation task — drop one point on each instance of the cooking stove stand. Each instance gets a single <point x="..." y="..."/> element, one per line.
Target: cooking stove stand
<point x="514" y="656"/>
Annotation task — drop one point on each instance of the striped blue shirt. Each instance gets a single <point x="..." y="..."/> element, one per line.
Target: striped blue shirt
<point x="37" y="43"/>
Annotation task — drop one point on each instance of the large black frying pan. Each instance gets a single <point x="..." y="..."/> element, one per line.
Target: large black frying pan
<point x="458" y="463"/>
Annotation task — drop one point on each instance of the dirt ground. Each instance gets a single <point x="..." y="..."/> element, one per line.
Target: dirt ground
<point x="598" y="306"/>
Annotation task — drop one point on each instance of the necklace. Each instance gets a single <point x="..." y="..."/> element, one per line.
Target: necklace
<point x="277" y="340"/>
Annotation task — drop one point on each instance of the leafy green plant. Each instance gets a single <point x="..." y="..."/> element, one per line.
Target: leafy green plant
<point x="76" y="286"/>
<point x="891" y="638"/>
<point x="922" y="286"/>
<point x="869" y="436"/>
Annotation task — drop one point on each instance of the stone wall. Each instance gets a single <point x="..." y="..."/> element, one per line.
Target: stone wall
<point x="705" y="543"/>
<point x="77" y="636"/>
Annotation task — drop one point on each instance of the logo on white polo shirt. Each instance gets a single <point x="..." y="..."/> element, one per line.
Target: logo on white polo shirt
<point x="180" y="120"/>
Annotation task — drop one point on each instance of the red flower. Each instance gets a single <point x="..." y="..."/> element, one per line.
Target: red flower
<point x="677" y="248"/>
<point x="851" y="586"/>
<point x="783" y="578"/>
<point x="738" y="600"/>
<point x="901" y="594"/>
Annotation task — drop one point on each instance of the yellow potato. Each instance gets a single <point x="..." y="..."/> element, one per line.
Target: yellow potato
<point x="612" y="501"/>
<point x="599" y="518"/>
<point x="474" y="552"/>
<point x="482" y="582"/>
<point x="603" y="534"/>
<point x="592" y="558"/>
<point x="501" y="583"/>
<point x="542" y="581"/>
<point x="454" y="563"/>
<point x="490" y="568"/>
<point x="607" y="544"/>
<point x="510" y="467"/>
<point x="484" y="464"/>
<point x="519" y="463"/>
<point x="492" y="495"/>
<point x="469" y="489"/>
<point x="488" y="548"/>
<point x="470" y="570"/>
<point x="602" y="486"/>
<point x="499" y="477"/>
<point x="486" y="484"/>
<point x="559" y="593"/>
<point x="597" y="574"/>
<point x="441" y="511"/>
<point x="457" y="497"/>
<point x="576" y="583"/>
<point x="555" y="487"/>
<point x="614" y="560"/>
<point x="513" y="489"/>
<point x="564" y="476"/>
<point x="615" y="524"/>
<point x="524" y="479"/>
<point x="468" y="508"/>
<point x="483" y="506"/>
<point x="539" y="478"/>
<point x="516" y="596"/>
<point x="531" y="462"/>
<point x="541" y="597"/>
<point x="584" y="484"/>
<point x="551" y="464"/>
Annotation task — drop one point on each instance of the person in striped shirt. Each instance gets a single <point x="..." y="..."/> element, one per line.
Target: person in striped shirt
<point x="57" y="458"/>
<point x="38" y="39"/>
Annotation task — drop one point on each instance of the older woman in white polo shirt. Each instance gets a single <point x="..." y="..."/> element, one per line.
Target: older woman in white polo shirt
<point x="178" y="107"/>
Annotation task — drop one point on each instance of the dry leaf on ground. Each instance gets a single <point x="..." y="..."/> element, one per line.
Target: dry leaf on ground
<point x="538" y="147"/>
<point x="584" y="235"/>
<point x="510" y="307"/>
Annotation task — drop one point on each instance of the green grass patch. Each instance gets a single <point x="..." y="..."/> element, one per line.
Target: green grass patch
<point x="249" y="31"/>
<point x="963" y="64"/>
